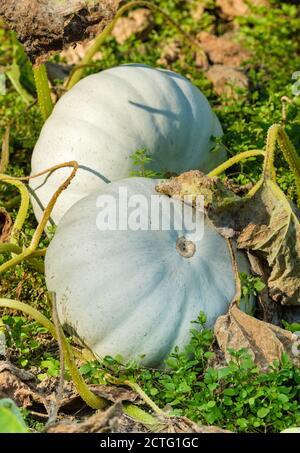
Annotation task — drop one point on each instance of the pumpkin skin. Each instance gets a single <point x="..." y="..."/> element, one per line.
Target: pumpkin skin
<point x="107" y="117"/>
<point x="131" y="292"/>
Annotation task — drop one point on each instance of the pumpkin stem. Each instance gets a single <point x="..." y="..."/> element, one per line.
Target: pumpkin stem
<point x="185" y="248"/>
<point x="43" y="90"/>
<point x="78" y="70"/>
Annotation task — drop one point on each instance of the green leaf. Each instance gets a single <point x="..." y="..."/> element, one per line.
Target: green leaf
<point x="259" y="285"/>
<point x="230" y="392"/>
<point x="14" y="75"/>
<point x="263" y="412"/>
<point x="282" y="398"/>
<point x="211" y="404"/>
<point x="11" y="420"/>
<point x="242" y="422"/>
<point x="184" y="388"/>
<point x="227" y="401"/>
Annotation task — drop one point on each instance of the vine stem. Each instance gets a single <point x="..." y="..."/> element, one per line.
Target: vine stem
<point x="291" y="157"/>
<point x="136" y="388"/>
<point x="277" y="134"/>
<point x="142" y="417"/>
<point x="234" y="160"/>
<point x="38" y="265"/>
<point x="24" y="205"/>
<point x="27" y="252"/>
<point x="4" y="160"/>
<point x="78" y="70"/>
<point x="43" y="90"/>
<point x="269" y="171"/>
<point x="91" y="399"/>
<point x="285" y="102"/>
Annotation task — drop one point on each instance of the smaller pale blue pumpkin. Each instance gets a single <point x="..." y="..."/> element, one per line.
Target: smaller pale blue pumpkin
<point x="135" y="292"/>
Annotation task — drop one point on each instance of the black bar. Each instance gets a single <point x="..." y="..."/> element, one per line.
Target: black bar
<point x="149" y="442"/>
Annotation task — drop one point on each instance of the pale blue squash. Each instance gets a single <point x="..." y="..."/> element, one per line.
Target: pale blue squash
<point x="135" y="293"/>
<point x="107" y="117"/>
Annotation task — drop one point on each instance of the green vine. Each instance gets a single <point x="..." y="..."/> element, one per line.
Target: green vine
<point x="234" y="160"/>
<point x="92" y="400"/>
<point x="139" y="415"/>
<point x="22" y="213"/>
<point x="78" y="70"/>
<point x="291" y="157"/>
<point x="4" y="160"/>
<point x="43" y="90"/>
<point x="276" y="135"/>
<point x="136" y="388"/>
<point x="31" y="249"/>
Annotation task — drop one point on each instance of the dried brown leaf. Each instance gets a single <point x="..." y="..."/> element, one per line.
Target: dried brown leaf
<point x="274" y="234"/>
<point x="101" y="421"/>
<point x="269" y="309"/>
<point x="19" y="385"/>
<point x="234" y="8"/>
<point x="223" y="50"/>
<point x="139" y="22"/>
<point x="195" y="183"/>
<point x="265" y="342"/>
<point x="5" y="225"/>
<point x="227" y="81"/>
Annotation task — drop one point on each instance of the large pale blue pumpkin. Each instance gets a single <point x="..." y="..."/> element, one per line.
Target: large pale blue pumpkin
<point x="135" y="293"/>
<point x="107" y="117"/>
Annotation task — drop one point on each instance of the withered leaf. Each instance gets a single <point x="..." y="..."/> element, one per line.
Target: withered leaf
<point x="274" y="234"/>
<point x="5" y="225"/>
<point x="269" y="309"/>
<point x="194" y="183"/>
<point x="101" y="421"/>
<point x="265" y="342"/>
<point x="19" y="385"/>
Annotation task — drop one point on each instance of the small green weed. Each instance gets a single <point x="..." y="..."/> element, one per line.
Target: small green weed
<point x="140" y="159"/>
<point x="251" y="284"/>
